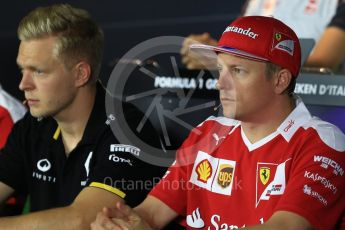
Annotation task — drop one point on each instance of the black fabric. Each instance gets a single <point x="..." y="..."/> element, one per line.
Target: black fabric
<point x="338" y="19"/>
<point x="31" y="148"/>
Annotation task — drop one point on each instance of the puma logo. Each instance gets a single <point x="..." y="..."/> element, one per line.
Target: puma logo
<point x="217" y="138"/>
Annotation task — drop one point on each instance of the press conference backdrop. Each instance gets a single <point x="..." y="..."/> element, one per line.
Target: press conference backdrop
<point x="125" y="24"/>
<point x="176" y="103"/>
<point x="324" y="96"/>
<point x="183" y="102"/>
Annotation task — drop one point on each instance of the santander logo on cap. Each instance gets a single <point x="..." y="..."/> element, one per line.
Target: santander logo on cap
<point x="239" y="30"/>
<point x="260" y="38"/>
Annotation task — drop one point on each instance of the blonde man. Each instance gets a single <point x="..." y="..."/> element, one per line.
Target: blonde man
<point x="62" y="153"/>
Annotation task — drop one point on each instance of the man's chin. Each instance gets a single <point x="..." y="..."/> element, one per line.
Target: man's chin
<point x="38" y="114"/>
<point x="229" y="113"/>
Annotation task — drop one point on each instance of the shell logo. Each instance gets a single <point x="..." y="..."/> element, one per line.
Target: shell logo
<point x="204" y="170"/>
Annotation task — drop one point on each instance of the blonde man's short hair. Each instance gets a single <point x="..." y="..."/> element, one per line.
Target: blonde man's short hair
<point x="79" y="37"/>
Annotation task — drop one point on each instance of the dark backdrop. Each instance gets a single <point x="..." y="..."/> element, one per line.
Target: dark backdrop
<point x="125" y="24"/>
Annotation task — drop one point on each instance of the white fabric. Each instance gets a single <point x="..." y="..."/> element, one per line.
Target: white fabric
<point x="13" y="106"/>
<point x="307" y="18"/>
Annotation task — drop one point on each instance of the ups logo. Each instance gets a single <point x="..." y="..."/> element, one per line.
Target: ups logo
<point x="225" y="175"/>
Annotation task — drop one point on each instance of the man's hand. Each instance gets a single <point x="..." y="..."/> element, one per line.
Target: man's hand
<point x="122" y="217"/>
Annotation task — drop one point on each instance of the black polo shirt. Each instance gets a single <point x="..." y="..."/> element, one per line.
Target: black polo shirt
<point x="34" y="161"/>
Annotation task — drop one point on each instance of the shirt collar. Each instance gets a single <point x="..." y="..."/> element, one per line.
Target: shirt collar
<point x="97" y="117"/>
<point x="297" y="118"/>
<point x="95" y="121"/>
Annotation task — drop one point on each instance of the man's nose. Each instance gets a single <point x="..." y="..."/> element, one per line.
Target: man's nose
<point x="225" y="81"/>
<point x="26" y="83"/>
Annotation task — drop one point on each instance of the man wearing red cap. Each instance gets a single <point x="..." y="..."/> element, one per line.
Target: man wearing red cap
<point x="272" y="165"/>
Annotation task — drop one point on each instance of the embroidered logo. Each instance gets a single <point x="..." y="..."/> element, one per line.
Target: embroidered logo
<point x="43" y="165"/>
<point x="42" y="174"/>
<point x="217" y="138"/>
<point x="283" y="43"/>
<point x="244" y="31"/>
<point x="87" y="168"/>
<point x="225" y="175"/>
<point x="310" y="192"/>
<point x="290" y="124"/>
<point x="265" y="173"/>
<point x="278" y="36"/>
<point x="326" y="162"/>
<point x="125" y="148"/>
<point x="213" y="174"/>
<point x="275" y="185"/>
<point x="194" y="220"/>
<point x="204" y="171"/>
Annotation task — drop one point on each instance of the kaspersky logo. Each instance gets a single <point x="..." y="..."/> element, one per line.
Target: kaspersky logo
<point x="204" y="171"/>
<point x="213" y="174"/>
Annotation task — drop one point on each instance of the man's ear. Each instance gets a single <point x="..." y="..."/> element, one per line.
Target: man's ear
<point x="82" y="73"/>
<point x="283" y="80"/>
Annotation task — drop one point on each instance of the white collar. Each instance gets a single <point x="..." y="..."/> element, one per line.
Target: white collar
<point x="297" y="118"/>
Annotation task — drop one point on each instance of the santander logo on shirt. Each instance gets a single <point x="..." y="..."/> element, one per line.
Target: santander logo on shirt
<point x="195" y="220"/>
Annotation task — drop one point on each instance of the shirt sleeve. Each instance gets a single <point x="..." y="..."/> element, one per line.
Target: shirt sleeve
<point x="119" y="171"/>
<point x="119" y="168"/>
<point x="170" y="190"/>
<point x="174" y="186"/>
<point x="315" y="188"/>
<point x="339" y="18"/>
<point x="12" y="157"/>
<point x="6" y="124"/>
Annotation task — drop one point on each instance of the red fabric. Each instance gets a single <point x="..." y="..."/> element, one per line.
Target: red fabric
<point x="6" y="124"/>
<point x="228" y="186"/>
<point x="261" y="38"/>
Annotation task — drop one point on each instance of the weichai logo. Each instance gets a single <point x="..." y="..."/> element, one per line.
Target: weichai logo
<point x="225" y="175"/>
<point x="204" y="171"/>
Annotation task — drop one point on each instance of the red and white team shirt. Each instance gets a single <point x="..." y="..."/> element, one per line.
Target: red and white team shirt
<point x="11" y="110"/>
<point x="222" y="181"/>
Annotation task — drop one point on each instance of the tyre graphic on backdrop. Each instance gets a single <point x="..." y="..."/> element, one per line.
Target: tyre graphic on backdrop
<point x="148" y="76"/>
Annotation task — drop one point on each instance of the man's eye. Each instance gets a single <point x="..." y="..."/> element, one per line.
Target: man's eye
<point x="236" y="70"/>
<point x="38" y="72"/>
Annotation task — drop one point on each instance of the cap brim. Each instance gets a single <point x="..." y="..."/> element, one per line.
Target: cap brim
<point x="212" y="51"/>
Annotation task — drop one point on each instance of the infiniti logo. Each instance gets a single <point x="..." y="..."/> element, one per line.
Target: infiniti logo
<point x="43" y="165"/>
